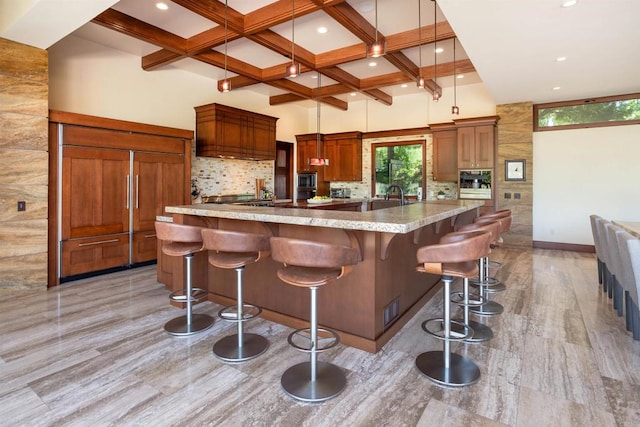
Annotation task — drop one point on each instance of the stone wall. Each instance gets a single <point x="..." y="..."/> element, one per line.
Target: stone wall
<point x="24" y="171"/>
<point x="515" y="142"/>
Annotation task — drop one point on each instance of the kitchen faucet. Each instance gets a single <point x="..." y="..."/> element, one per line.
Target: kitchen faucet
<point x="389" y="188"/>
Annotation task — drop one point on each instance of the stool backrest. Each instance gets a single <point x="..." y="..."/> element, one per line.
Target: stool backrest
<point x="170" y="232"/>
<point x="473" y="246"/>
<point x="615" y="262"/>
<point x="306" y="253"/>
<point x="634" y="254"/>
<point x="491" y="226"/>
<point x="234" y="241"/>
<point x="602" y="233"/>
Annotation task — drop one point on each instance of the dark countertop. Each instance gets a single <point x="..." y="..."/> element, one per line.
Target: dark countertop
<point x="333" y="204"/>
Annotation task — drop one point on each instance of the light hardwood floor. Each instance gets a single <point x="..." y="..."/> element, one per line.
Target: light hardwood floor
<point x="94" y="352"/>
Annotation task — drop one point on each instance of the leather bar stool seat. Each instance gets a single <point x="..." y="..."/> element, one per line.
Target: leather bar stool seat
<point x="311" y="265"/>
<point x="450" y="260"/>
<point x="184" y="241"/>
<point x="472" y="302"/>
<point x="236" y="250"/>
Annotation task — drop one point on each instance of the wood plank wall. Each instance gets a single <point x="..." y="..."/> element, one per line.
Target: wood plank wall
<point x="515" y="142"/>
<point x="24" y="89"/>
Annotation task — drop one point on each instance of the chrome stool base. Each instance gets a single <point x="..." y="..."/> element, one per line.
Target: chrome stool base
<point x="461" y="371"/>
<point x="228" y="350"/>
<point x="330" y="381"/>
<point x="490" y="308"/>
<point x="500" y="287"/>
<point x="481" y="332"/>
<point x="179" y="326"/>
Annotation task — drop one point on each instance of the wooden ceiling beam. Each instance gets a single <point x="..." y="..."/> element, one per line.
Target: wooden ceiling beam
<point x="159" y="58"/>
<point x="125" y="24"/>
<point x="276" y="13"/>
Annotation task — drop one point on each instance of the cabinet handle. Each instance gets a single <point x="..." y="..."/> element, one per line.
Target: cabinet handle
<point x="102" y="242"/>
<point x="128" y="189"/>
<point x="150" y="236"/>
<point x="137" y="187"/>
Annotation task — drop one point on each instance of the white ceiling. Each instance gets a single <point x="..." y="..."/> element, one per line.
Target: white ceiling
<point x="513" y="44"/>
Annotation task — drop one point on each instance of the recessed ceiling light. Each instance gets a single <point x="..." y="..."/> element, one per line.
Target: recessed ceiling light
<point x="353" y="94"/>
<point x="372" y="64"/>
<point x="556" y="88"/>
<point x="460" y="76"/>
<point x="569" y="3"/>
<point x="162" y="6"/>
<point x="404" y="85"/>
<point x="561" y="58"/>
<point x="439" y="50"/>
<point x="314" y="76"/>
<point x="322" y="30"/>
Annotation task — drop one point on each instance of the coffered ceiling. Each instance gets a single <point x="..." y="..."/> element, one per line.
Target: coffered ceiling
<point x="261" y="36"/>
<point x="511" y="46"/>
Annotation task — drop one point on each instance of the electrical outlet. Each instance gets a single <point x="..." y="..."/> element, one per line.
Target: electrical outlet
<point x="507" y="195"/>
<point x="516" y="195"/>
<point x="22" y="206"/>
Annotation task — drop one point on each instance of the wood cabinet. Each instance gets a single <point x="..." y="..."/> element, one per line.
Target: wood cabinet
<point x="306" y="148"/>
<point x="223" y="131"/>
<point x="114" y="179"/>
<point x="344" y="151"/>
<point x="476" y="147"/>
<point x="445" y="155"/>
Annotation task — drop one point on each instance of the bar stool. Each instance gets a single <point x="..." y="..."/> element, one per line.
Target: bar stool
<point x="311" y="265"/>
<point x="233" y="249"/>
<point x="185" y="241"/>
<point x="453" y="259"/>
<point x="607" y="276"/>
<point x="505" y="218"/>
<point x="469" y="302"/>
<point x="630" y="253"/>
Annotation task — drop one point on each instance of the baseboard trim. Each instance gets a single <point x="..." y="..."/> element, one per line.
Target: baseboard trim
<point x="564" y="246"/>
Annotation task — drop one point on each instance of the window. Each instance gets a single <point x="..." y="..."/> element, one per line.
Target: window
<point x="597" y="112"/>
<point x="398" y="163"/>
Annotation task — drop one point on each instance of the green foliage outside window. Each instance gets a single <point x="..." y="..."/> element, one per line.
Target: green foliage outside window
<point x="398" y="164"/>
<point x="599" y="112"/>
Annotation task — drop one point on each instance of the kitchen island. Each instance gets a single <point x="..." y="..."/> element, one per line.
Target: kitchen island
<point x="366" y="307"/>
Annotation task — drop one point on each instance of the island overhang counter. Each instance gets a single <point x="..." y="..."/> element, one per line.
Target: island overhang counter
<point x="366" y="307"/>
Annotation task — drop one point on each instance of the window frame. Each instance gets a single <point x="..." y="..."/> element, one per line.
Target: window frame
<point x="537" y="107"/>
<point x="421" y="142"/>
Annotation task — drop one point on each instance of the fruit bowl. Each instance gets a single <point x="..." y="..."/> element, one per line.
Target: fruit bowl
<point x="316" y="201"/>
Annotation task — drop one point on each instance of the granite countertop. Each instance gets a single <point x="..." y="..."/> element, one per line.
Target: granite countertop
<point x="400" y="219"/>
<point x="333" y="203"/>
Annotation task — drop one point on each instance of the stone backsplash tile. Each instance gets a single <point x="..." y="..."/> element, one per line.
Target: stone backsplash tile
<point x="23" y="237"/>
<point x="23" y="96"/>
<point x="229" y="176"/>
<point x="18" y="132"/>
<point x="25" y="167"/>
<point x="24" y="272"/>
<point x="34" y="195"/>
<point x="24" y="62"/>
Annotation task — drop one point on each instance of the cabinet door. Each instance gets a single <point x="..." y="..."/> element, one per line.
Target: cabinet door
<point x="484" y="146"/>
<point x="231" y="134"/>
<point x="306" y="150"/>
<point x="331" y="152"/>
<point x="90" y="254"/>
<point x="445" y="156"/>
<point x="158" y="181"/>
<point x="262" y="139"/>
<point x="95" y="192"/>
<point x="350" y="160"/>
<point x="466" y="148"/>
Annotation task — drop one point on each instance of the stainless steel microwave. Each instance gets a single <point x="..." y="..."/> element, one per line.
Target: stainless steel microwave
<point x="307" y="180"/>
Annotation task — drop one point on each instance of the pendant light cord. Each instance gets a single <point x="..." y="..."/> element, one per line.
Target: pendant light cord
<point x="226" y="26"/>
<point x="435" y="48"/>
<point x="293" y="33"/>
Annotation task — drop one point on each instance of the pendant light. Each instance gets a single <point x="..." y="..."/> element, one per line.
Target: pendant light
<point x="436" y="94"/>
<point x="226" y="84"/>
<point x="318" y="161"/>
<point x="455" y="109"/>
<point x="293" y="69"/>
<point x="420" y="80"/>
<point x="377" y="48"/>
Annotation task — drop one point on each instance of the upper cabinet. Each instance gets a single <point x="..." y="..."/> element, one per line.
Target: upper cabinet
<point x="476" y="145"/>
<point x="223" y="131"/>
<point x="308" y="146"/>
<point x="445" y="153"/>
<point x="344" y="151"/>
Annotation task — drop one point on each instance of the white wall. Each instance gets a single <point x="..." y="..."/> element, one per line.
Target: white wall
<point x="581" y="172"/>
